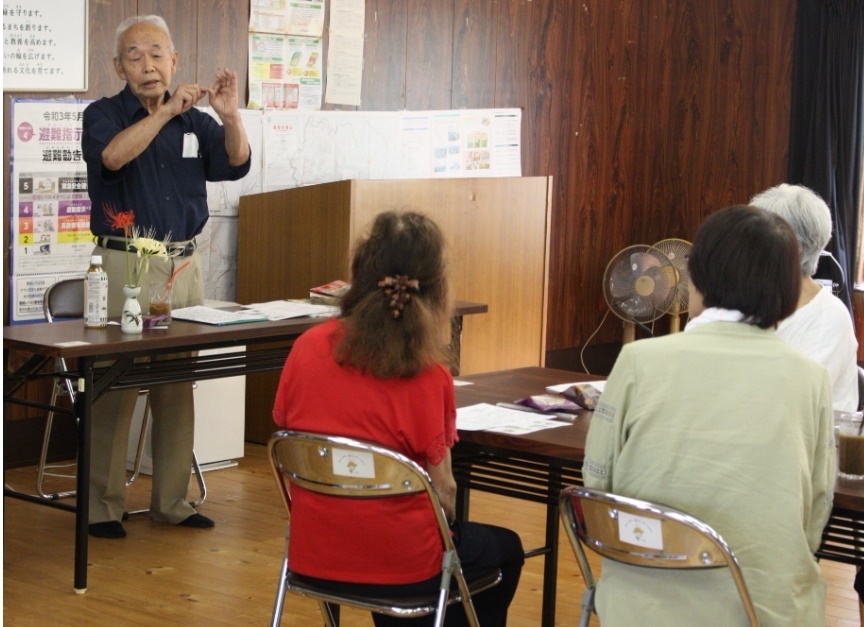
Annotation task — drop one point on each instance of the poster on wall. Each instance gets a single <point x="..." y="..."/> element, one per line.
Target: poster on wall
<point x="284" y="72"/>
<point x="49" y="236"/>
<point x="286" y="62"/>
<point x="297" y="17"/>
<point x="45" y="45"/>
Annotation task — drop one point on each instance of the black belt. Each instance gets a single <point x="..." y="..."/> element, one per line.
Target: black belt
<point x="184" y="250"/>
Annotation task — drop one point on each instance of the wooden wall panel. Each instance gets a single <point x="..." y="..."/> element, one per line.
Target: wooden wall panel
<point x="475" y="24"/>
<point x="429" y="63"/>
<point x="222" y="42"/>
<point x="182" y="20"/>
<point x="513" y="67"/>
<point x="680" y="108"/>
<point x="605" y="162"/>
<point x="384" y="55"/>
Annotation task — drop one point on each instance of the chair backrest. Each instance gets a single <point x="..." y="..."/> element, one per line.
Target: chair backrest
<point x="345" y="467"/>
<point x="641" y="533"/>
<point x="860" y="388"/>
<point x="64" y="299"/>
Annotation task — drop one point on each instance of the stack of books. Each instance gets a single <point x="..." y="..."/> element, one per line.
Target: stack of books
<point x="329" y="294"/>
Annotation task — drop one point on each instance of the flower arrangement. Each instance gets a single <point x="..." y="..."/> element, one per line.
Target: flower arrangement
<point x="142" y="240"/>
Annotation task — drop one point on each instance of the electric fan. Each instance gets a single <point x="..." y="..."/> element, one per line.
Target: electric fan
<point x="639" y="286"/>
<point x="677" y="250"/>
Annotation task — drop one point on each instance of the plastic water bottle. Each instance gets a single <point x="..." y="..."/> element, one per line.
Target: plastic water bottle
<point x="96" y="295"/>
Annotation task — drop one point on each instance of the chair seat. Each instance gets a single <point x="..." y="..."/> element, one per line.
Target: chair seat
<point x="405" y="606"/>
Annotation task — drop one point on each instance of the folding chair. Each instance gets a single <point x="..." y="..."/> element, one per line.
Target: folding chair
<point x="860" y="388"/>
<point x="65" y="299"/>
<point x="310" y="461"/>
<point x="642" y="534"/>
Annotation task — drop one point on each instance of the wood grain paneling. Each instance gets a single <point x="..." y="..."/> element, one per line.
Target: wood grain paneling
<point x="680" y="108"/>
<point x="222" y="42"/>
<point x="474" y="53"/>
<point x="429" y="64"/>
<point x="603" y="168"/>
<point x="512" y="66"/>
<point x="384" y="55"/>
<point x="182" y="20"/>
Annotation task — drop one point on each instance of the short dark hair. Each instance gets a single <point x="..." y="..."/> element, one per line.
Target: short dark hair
<point x="400" y="244"/>
<point x="747" y="258"/>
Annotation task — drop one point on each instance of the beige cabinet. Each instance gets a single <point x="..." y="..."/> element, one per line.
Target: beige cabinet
<point x="497" y="231"/>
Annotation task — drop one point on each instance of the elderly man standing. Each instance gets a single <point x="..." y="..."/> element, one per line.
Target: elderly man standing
<point x="150" y="152"/>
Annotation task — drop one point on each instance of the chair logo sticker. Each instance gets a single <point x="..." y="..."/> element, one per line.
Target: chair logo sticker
<point x="640" y="531"/>
<point x="353" y="464"/>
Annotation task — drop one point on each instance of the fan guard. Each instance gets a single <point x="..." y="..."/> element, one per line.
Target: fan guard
<point x="677" y="250"/>
<point x="639" y="283"/>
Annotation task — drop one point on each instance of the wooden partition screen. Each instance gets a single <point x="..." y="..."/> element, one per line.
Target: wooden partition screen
<point x="497" y="232"/>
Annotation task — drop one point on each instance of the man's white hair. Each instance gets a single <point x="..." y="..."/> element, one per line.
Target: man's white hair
<point x="129" y="22"/>
<point x="806" y="213"/>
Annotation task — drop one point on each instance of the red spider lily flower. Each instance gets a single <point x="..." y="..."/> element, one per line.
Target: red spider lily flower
<point x="120" y="220"/>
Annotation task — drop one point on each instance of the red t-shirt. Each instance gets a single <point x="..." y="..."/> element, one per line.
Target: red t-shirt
<point x="385" y="541"/>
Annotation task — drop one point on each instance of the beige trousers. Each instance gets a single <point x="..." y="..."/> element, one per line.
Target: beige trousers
<point x="172" y="406"/>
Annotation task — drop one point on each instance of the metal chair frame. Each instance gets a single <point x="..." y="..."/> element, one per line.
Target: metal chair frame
<point x="591" y="517"/>
<point x="308" y="460"/>
<point x="860" y="388"/>
<point x="65" y="299"/>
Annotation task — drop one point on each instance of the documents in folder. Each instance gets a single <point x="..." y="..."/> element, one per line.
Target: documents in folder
<point x="219" y="317"/>
<point x="282" y="309"/>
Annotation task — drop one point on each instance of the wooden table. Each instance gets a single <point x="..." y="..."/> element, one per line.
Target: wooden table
<point x="265" y="345"/>
<point x="536" y="466"/>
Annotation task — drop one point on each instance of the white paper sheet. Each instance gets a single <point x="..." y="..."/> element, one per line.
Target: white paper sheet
<point x="557" y="389"/>
<point x="486" y="417"/>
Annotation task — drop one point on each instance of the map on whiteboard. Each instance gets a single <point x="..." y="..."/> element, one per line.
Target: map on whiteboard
<point x="310" y="147"/>
<point x="223" y="198"/>
<point x="292" y="148"/>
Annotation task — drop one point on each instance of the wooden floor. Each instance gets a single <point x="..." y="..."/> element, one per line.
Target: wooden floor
<point x="226" y="576"/>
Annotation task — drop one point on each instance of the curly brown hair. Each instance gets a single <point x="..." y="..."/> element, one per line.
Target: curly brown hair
<point x="400" y="244"/>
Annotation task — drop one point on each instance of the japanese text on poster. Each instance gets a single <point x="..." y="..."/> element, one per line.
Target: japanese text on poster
<point x="50" y="237"/>
<point x="284" y="72"/>
<point x="294" y="17"/>
<point x="45" y="45"/>
<point x="345" y="52"/>
<point x="285" y="54"/>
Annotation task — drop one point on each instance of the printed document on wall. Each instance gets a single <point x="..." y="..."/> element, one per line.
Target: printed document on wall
<point x="50" y="237"/>
<point x="297" y="17"/>
<point x="461" y="143"/>
<point x="345" y="53"/>
<point x="284" y="72"/>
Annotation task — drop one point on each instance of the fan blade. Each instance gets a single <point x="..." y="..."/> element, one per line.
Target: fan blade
<point x="620" y="281"/>
<point x="637" y="308"/>
<point x="642" y="262"/>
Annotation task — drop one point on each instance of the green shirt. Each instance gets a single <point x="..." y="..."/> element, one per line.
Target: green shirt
<point x="731" y="425"/>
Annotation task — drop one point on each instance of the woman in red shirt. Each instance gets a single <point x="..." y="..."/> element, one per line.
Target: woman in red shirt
<point x="376" y="374"/>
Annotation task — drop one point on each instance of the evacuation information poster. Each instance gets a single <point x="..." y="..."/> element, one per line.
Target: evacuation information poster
<point x="50" y="236"/>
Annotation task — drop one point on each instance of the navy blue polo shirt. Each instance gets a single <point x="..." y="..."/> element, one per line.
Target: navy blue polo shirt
<point x="166" y="190"/>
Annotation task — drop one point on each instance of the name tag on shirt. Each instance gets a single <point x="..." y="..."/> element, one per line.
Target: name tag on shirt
<point x="190" y="146"/>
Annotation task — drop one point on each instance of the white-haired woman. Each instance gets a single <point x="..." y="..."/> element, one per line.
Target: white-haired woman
<point x="821" y="326"/>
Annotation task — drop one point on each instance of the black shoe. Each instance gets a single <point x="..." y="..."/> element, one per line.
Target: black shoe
<point x="110" y="529"/>
<point x="197" y="521"/>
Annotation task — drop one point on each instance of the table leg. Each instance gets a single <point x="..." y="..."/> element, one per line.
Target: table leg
<point x="456" y="344"/>
<point x="550" y="564"/>
<point x="84" y="411"/>
<point x="463" y="503"/>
